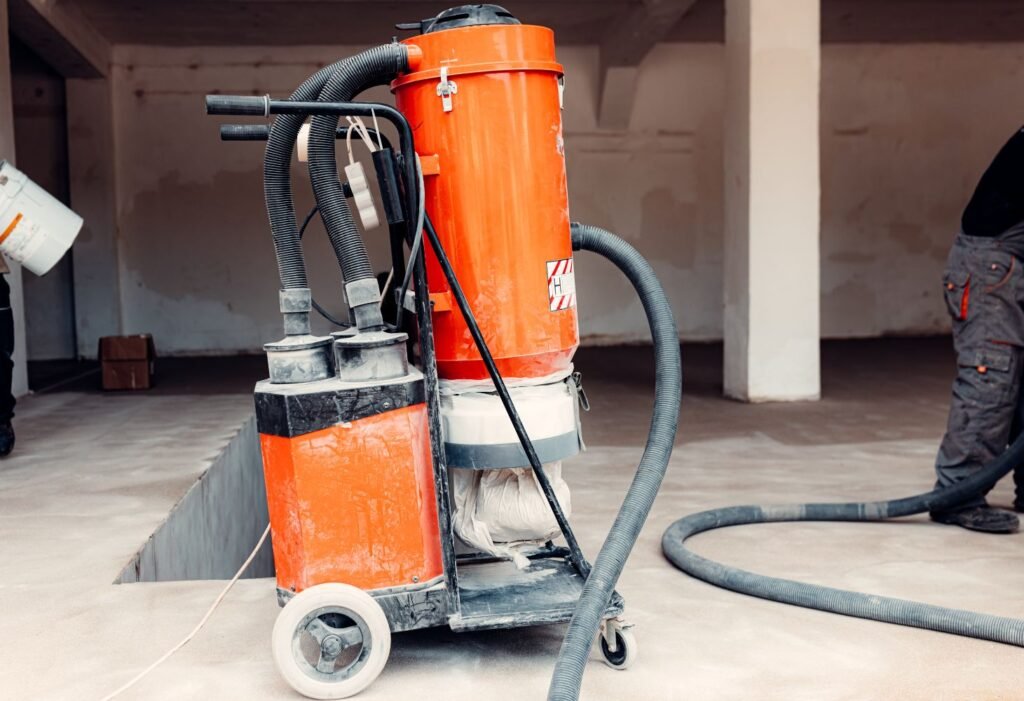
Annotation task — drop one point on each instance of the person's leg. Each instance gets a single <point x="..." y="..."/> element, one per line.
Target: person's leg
<point x="981" y="295"/>
<point x="6" y="351"/>
<point x="981" y="414"/>
<point x="1018" y="472"/>
<point x="6" y="368"/>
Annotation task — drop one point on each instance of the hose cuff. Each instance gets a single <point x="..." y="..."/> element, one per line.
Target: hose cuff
<point x="296" y="299"/>
<point x="295" y="304"/>
<point x="368" y="317"/>
<point x="360" y="292"/>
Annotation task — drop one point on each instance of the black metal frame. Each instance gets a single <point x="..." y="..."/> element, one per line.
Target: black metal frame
<point x="580" y="562"/>
<point x="573" y="554"/>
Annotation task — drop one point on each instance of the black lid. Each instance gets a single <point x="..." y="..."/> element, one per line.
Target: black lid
<point x="462" y="16"/>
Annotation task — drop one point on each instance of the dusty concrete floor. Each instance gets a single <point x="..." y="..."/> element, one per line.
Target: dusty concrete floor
<point x="93" y="475"/>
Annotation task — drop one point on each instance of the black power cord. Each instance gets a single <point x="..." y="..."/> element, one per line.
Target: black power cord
<point x="316" y="305"/>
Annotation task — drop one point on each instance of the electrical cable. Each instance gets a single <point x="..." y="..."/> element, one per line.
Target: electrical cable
<point x="316" y="305"/>
<point x="213" y="607"/>
<point x="386" y="285"/>
<point x="356" y="125"/>
<point x="417" y="242"/>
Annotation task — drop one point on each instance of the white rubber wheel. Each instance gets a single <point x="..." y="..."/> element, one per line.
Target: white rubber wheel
<point x="625" y="650"/>
<point x="331" y="641"/>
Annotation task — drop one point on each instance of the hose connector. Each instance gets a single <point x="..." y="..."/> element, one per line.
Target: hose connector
<point x="296" y="304"/>
<point x="299" y="356"/>
<point x="364" y="301"/>
<point x="413" y="57"/>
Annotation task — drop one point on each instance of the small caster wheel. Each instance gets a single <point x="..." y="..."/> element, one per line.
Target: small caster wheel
<point x="331" y="641"/>
<point x="618" y="645"/>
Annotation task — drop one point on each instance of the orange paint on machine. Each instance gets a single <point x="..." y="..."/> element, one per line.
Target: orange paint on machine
<point x="354" y="503"/>
<point x="484" y="103"/>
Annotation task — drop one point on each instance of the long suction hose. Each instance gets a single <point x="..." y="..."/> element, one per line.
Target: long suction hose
<point x="586" y="619"/>
<point x="568" y="675"/>
<point x="849" y="603"/>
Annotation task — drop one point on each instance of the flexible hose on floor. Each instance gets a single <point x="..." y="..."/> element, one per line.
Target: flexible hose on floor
<point x="849" y="603"/>
<point x="586" y="619"/>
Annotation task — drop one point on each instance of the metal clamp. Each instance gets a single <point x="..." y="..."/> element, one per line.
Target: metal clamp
<point x="577" y="380"/>
<point x="360" y="292"/>
<point x="445" y="89"/>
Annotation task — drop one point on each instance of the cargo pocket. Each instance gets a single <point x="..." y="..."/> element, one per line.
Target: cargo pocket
<point x="990" y="368"/>
<point x="956" y="286"/>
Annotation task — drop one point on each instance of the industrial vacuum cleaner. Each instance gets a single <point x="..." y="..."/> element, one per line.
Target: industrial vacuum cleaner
<point x="413" y="458"/>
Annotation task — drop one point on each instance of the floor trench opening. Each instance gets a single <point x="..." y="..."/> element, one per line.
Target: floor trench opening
<point x="213" y="528"/>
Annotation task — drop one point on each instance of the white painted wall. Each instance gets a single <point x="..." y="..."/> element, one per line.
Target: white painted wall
<point x="906" y="131"/>
<point x="40" y="129"/>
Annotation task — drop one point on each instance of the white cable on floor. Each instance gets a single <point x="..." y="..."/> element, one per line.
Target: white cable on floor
<point x="248" y="561"/>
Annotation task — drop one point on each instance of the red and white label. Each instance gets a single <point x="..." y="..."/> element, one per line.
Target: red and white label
<point x="561" y="285"/>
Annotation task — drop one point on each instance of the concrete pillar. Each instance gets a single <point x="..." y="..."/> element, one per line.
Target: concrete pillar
<point x="20" y="384"/>
<point x="93" y="196"/>
<point x="772" y="200"/>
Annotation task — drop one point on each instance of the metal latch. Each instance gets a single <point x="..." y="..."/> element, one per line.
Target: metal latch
<point x="445" y="89"/>
<point x="577" y="379"/>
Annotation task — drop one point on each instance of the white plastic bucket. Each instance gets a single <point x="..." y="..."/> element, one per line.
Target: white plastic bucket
<point x="36" y="229"/>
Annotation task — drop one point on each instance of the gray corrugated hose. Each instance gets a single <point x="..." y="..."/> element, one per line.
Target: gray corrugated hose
<point x="849" y="603"/>
<point x="568" y="676"/>
<point x="376" y="66"/>
<point x="277" y="183"/>
<point x="338" y="82"/>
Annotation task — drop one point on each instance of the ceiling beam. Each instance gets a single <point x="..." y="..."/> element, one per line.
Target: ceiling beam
<point x="61" y="34"/>
<point x="623" y="47"/>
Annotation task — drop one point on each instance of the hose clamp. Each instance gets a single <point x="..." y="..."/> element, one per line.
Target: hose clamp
<point x="295" y="299"/>
<point x="360" y="292"/>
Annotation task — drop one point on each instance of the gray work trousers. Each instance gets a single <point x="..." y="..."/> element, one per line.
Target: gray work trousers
<point x="984" y="290"/>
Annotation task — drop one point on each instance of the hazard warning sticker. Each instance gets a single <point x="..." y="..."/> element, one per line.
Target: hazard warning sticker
<point x="561" y="285"/>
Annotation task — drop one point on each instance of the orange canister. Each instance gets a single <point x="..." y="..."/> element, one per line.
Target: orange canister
<point x="484" y="103"/>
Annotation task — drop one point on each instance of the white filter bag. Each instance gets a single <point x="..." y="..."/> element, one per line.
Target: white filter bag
<point x="504" y="512"/>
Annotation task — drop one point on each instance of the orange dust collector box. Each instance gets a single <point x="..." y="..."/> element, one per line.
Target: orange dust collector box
<point x="127" y="362"/>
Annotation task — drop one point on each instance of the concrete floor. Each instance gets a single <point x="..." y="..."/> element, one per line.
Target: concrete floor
<point x="95" y="474"/>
